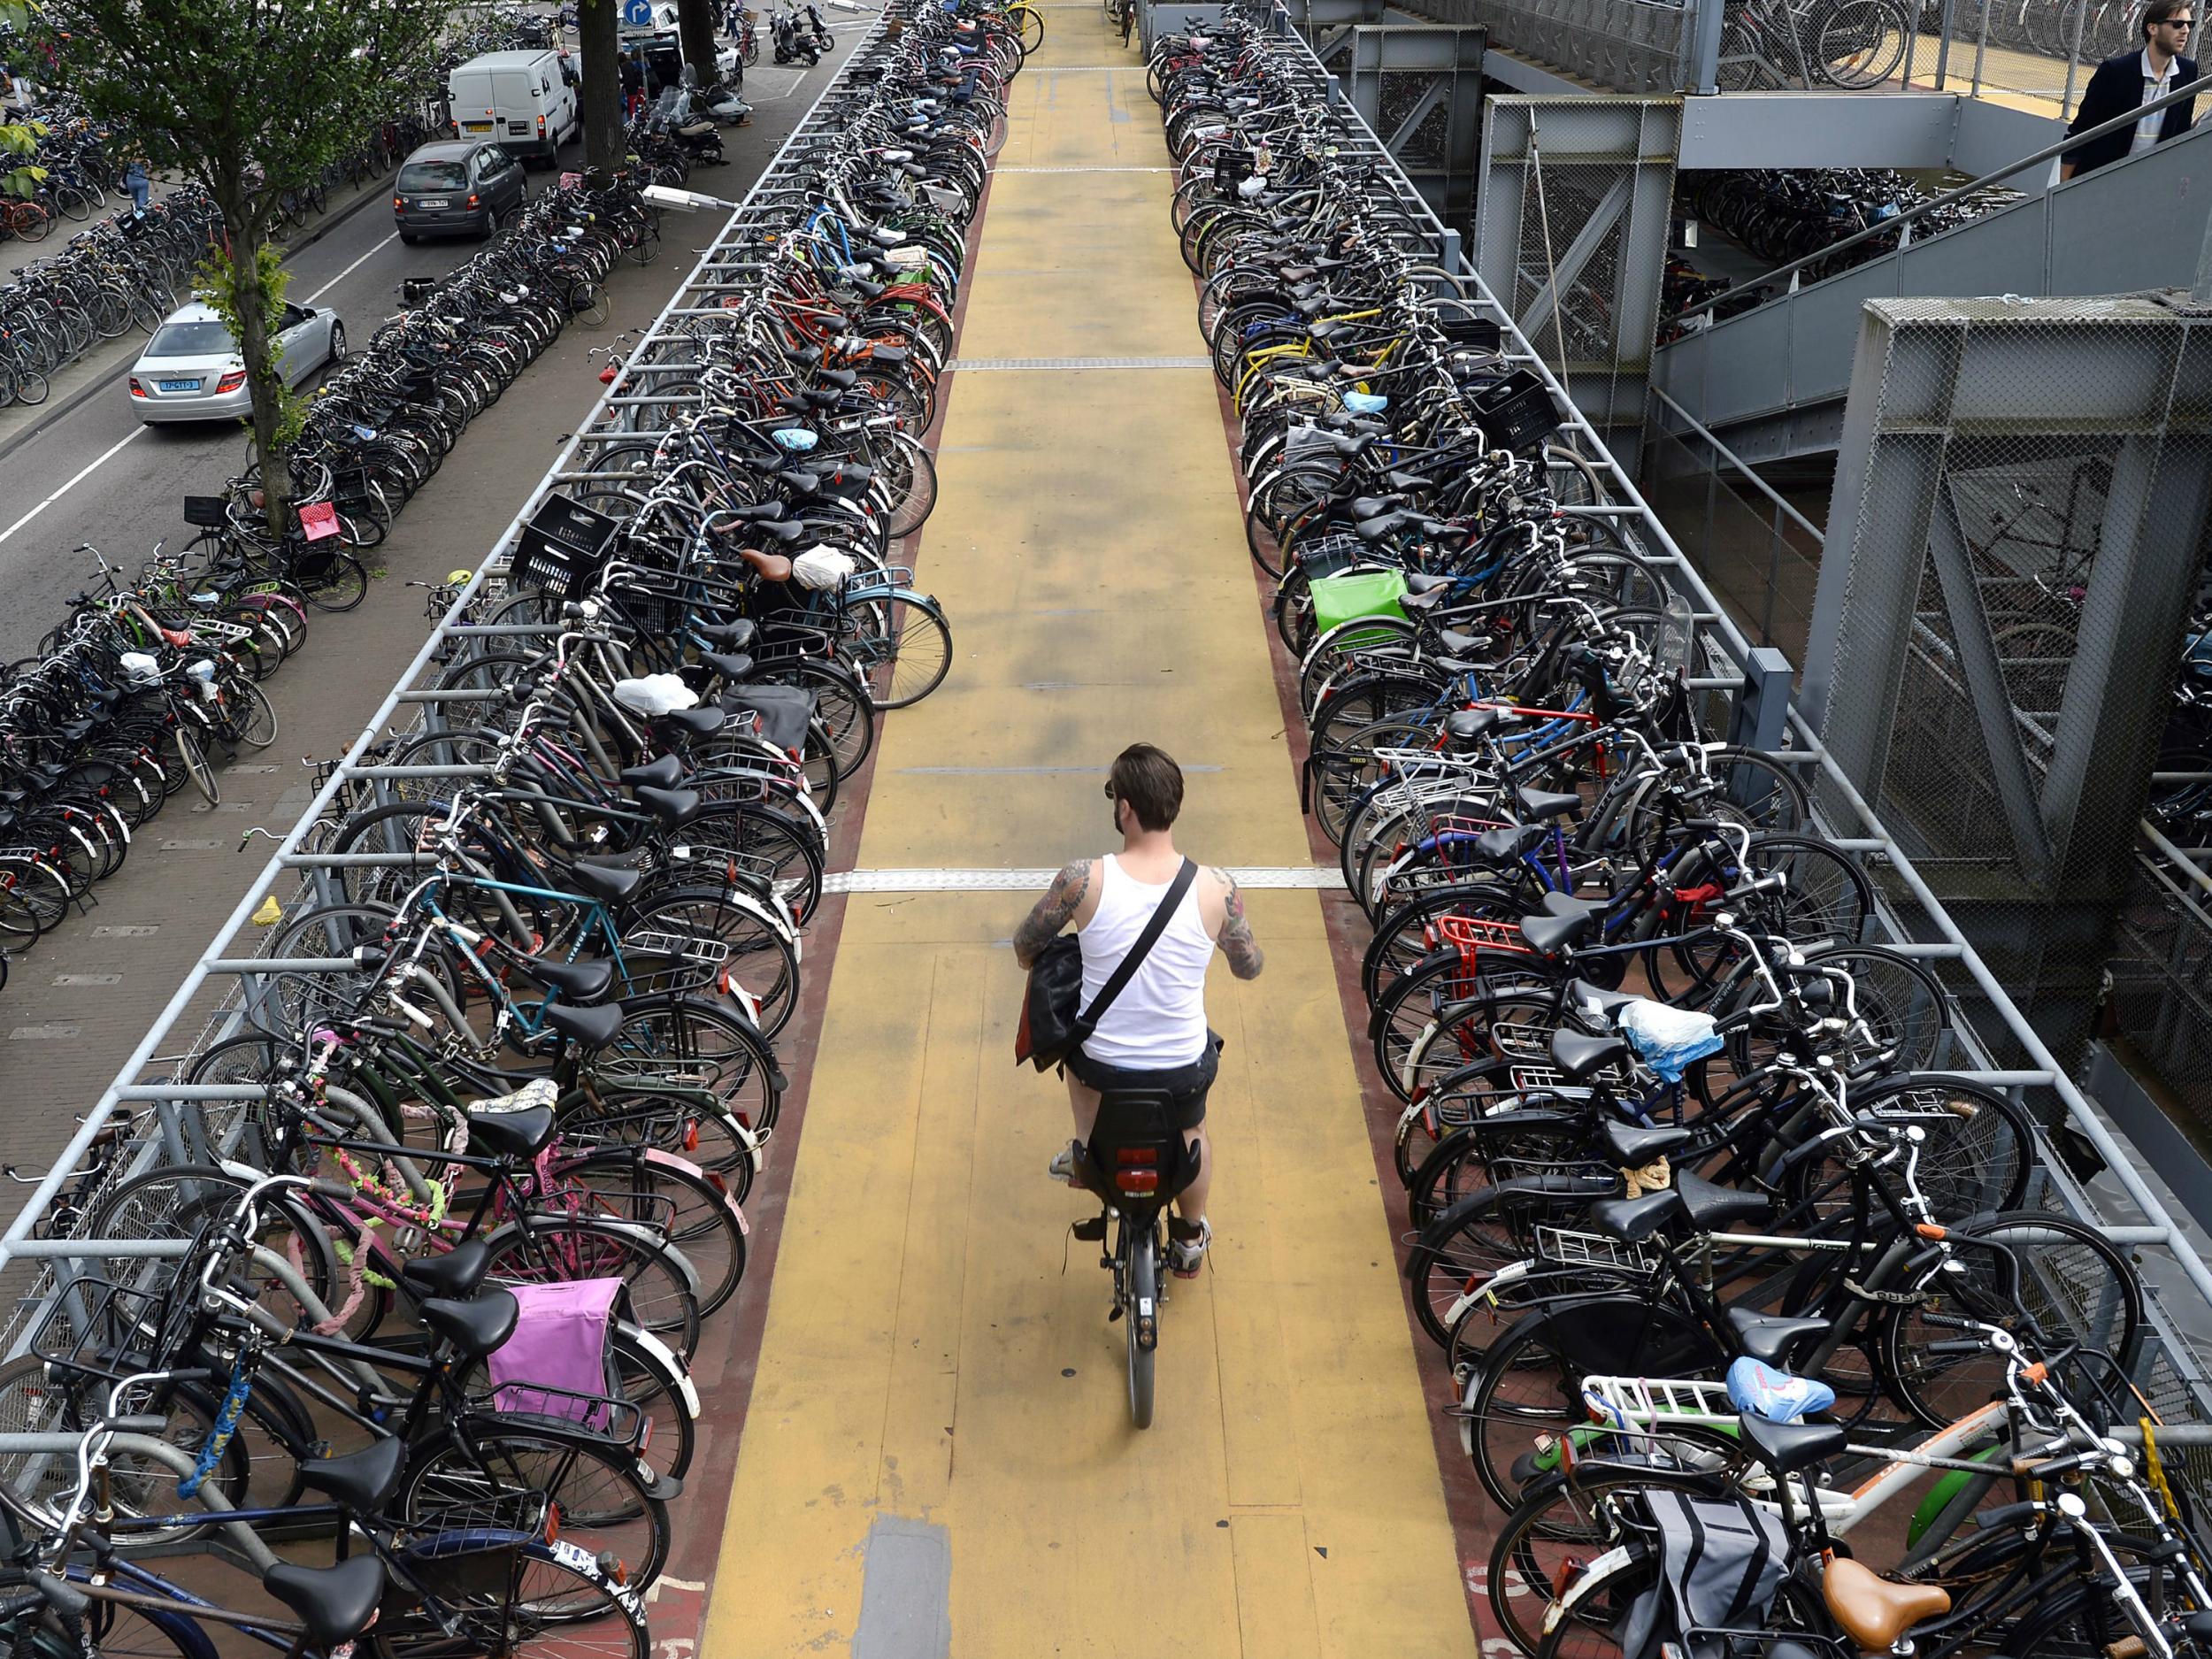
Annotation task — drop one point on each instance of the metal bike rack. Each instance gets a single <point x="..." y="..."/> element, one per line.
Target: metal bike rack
<point x="200" y="1122"/>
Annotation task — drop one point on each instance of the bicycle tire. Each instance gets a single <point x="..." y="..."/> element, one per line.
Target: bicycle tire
<point x="1143" y="1293"/>
<point x="608" y="1505"/>
<point x="552" y="1594"/>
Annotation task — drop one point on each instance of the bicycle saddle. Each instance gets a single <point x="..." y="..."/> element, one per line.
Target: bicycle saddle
<point x="1627" y="1147"/>
<point x="682" y="723"/>
<point x="733" y="666"/>
<point x="457" y="1273"/>
<point x="1787" y="1447"/>
<point x="589" y="1027"/>
<point x="474" y="1327"/>
<point x="578" y="981"/>
<point x="1712" y="1206"/>
<point x="1375" y="507"/>
<point x="610" y="884"/>
<point x="1548" y="935"/>
<point x="727" y="636"/>
<point x="1580" y="1058"/>
<point x="1596" y="1000"/>
<point x="789" y="530"/>
<point x="1422" y="582"/>
<point x="1464" y="725"/>
<point x="1509" y="842"/>
<point x="1632" y="1220"/>
<point x="1874" y="1612"/>
<point x="360" y="1480"/>
<point x="751" y="513"/>
<point x="1543" y="803"/>
<point x="671" y="807"/>
<point x="335" y="1603"/>
<point x="664" y="773"/>
<point x="511" y="1133"/>
<point x="1458" y="644"/>
<point x="1768" y="1337"/>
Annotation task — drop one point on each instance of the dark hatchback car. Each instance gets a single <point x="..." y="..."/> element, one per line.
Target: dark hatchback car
<point x="461" y="187"/>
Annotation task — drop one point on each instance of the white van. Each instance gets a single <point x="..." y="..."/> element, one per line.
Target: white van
<point x="520" y="100"/>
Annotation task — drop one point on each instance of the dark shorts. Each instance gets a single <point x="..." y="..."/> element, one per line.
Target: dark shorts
<point x="1187" y="1084"/>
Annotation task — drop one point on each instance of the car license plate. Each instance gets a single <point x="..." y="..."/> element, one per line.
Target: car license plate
<point x="432" y="201"/>
<point x="179" y="386"/>
<point x="476" y="127"/>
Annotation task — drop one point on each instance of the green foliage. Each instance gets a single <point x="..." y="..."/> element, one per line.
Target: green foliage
<point x="21" y="139"/>
<point x="249" y="98"/>
<point x="216" y="284"/>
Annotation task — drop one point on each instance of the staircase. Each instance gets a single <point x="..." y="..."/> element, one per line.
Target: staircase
<point x="1770" y="382"/>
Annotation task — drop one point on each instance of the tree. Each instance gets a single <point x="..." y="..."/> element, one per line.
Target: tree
<point x="20" y="175"/>
<point x="606" y="135"/>
<point x="250" y="98"/>
<point x="695" y="28"/>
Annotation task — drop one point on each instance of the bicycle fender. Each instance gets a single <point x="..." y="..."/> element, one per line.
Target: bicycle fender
<point x="1590" y="1578"/>
<point x="672" y="1160"/>
<point x="662" y="1354"/>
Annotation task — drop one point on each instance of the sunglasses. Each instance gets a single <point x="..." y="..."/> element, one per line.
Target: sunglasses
<point x="2180" y="23"/>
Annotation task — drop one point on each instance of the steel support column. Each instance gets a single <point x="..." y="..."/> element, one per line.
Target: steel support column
<point x="1400" y="77"/>
<point x="1577" y="198"/>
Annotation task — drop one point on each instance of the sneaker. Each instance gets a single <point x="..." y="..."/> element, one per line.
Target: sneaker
<point x="1187" y="1255"/>
<point x="1062" y="1167"/>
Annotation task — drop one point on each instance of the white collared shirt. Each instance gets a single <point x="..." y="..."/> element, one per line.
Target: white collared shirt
<point x="2154" y="86"/>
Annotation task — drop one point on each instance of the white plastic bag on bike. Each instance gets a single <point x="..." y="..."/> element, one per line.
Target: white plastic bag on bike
<point x="1667" y="1040"/>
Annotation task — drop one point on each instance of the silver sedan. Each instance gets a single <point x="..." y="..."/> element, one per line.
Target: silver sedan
<point x="191" y="370"/>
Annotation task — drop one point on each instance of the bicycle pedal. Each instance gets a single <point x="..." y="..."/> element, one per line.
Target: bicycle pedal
<point x="1113" y="1314"/>
<point x="1091" y="1231"/>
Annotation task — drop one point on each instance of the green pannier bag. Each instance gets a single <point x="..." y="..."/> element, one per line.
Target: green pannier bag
<point x="1338" y="599"/>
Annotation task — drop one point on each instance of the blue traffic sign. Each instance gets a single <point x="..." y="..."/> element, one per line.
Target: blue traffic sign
<point x="638" y="14"/>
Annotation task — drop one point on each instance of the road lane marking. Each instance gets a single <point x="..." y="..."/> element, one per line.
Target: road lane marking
<point x="350" y="269"/>
<point x="107" y="455"/>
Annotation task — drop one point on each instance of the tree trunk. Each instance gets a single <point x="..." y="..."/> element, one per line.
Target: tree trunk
<point x="694" y="26"/>
<point x="264" y="379"/>
<point x="604" y="144"/>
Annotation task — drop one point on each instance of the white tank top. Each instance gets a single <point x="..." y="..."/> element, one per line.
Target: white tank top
<point x="1159" y="1019"/>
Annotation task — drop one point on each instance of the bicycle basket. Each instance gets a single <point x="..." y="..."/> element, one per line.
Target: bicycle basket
<point x="416" y="289"/>
<point x="1516" y="413"/>
<point x="473" y="1558"/>
<point x="561" y="549"/>
<point x="206" y="512"/>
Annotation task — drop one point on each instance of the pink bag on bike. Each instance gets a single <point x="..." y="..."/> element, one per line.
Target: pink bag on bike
<point x="558" y="1352"/>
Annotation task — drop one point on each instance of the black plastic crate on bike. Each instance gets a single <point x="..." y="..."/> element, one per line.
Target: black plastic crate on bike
<point x="562" y="548"/>
<point x="206" y="512"/>
<point x="1516" y="413"/>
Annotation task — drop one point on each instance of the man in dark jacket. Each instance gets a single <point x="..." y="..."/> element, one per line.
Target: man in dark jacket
<point x="2134" y="78"/>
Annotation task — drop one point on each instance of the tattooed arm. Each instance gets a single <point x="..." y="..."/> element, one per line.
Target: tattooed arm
<point x="1053" y="912"/>
<point x="1235" y="938"/>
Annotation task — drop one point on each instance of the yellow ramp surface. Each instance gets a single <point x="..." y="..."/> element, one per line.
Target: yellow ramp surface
<point x="939" y="1432"/>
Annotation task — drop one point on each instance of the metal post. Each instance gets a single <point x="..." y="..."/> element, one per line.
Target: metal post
<point x="2201" y="290"/>
<point x="1981" y="47"/>
<point x="1774" y="574"/>
<point x="1943" y="42"/>
<point x="1762" y="717"/>
<point x="2073" y="60"/>
<point x="1336" y="92"/>
<point x="1705" y="32"/>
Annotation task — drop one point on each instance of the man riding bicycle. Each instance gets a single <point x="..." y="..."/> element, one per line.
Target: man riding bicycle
<point x="1154" y="1034"/>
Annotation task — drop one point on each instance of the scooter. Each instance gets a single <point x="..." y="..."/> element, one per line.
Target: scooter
<point x="676" y="116"/>
<point x="793" y="44"/>
<point x="719" y="104"/>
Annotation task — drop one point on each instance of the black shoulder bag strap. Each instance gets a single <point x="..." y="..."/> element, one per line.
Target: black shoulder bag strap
<point x="1126" y="969"/>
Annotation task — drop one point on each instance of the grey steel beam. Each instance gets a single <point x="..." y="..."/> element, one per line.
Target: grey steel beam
<point x="1818" y="129"/>
<point x="1977" y="650"/>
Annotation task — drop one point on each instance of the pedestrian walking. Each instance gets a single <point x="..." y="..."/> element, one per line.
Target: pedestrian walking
<point x="633" y="85"/>
<point x="1153" y="1035"/>
<point x="2129" y="79"/>
<point x="135" y="180"/>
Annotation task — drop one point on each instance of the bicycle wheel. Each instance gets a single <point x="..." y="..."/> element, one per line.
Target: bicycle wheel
<point x="555" y="1603"/>
<point x="1031" y="22"/>
<point x="634" y="1184"/>
<point x="339" y="582"/>
<point x="1859" y="43"/>
<point x="1572" y="1519"/>
<point x="457" y="1479"/>
<point x="652" y="1379"/>
<point x="2051" y="1281"/>
<point x="1141" y="1314"/>
<point x="902" y="650"/>
<point x="761" y="959"/>
<point x="252" y="718"/>
<point x="197" y="772"/>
